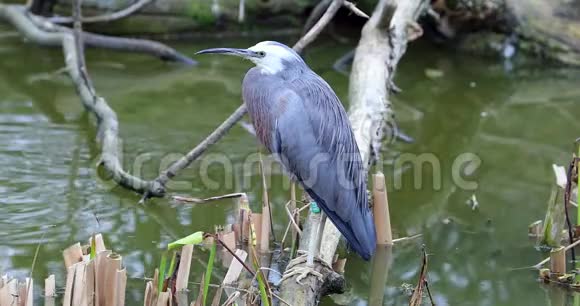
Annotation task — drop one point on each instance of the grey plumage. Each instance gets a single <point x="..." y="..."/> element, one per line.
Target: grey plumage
<point x="299" y="118"/>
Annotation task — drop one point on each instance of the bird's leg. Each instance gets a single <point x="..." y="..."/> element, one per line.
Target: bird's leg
<point x="318" y="219"/>
<point x="314" y="251"/>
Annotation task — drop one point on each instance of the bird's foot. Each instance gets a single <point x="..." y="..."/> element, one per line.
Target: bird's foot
<point x="303" y="257"/>
<point x="302" y="272"/>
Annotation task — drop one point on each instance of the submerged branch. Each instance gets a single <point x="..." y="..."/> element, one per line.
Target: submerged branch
<point x="106" y="117"/>
<point x="42" y="32"/>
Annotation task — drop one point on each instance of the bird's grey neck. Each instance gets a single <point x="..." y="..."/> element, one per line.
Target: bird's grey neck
<point x="291" y="69"/>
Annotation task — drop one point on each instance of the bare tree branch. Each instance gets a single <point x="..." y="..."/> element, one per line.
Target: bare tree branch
<point x="106" y="17"/>
<point x="315" y="14"/>
<point x="319" y="26"/>
<point x="158" y="186"/>
<point x="45" y="33"/>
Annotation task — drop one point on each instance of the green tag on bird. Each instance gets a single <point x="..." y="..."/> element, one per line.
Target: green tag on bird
<point x="314" y="208"/>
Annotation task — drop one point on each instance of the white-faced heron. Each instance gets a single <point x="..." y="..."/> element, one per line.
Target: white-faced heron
<point x="299" y="118"/>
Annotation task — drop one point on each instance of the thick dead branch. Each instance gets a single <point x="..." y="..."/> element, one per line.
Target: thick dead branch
<point x="106" y="17"/>
<point x="45" y="33"/>
<point x="383" y="42"/>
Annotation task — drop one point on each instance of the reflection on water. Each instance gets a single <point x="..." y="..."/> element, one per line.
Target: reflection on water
<point x="518" y="123"/>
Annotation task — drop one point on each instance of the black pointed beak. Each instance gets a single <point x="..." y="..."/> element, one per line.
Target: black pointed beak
<point x="230" y="51"/>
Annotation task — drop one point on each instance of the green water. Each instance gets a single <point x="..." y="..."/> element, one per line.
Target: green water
<point x="517" y="122"/>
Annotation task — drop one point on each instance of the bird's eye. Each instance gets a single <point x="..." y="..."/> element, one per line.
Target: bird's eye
<point x="261" y="53"/>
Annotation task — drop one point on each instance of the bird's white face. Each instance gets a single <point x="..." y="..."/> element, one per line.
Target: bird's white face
<point x="273" y="57"/>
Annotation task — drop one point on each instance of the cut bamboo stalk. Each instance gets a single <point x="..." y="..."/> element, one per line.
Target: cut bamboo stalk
<point x="163" y="299"/>
<point x="79" y="297"/>
<point x="68" y="291"/>
<point x="121" y="285"/>
<point x="217" y="297"/>
<point x="29" y="289"/>
<point x="338" y="266"/>
<point x="20" y="297"/>
<point x="184" y="267"/>
<point x="72" y="255"/>
<point x="25" y="290"/>
<point x="229" y="239"/>
<point x="90" y="283"/>
<point x="244" y="218"/>
<point x="49" y="291"/>
<point x="265" y="232"/>
<point x="12" y="292"/>
<point x="558" y="262"/>
<point x="5" y="298"/>
<point x="235" y="268"/>
<point x="234" y="272"/>
<point x="381" y="210"/>
<point x="265" y="225"/>
<point x="181" y="298"/>
<point x="199" y="300"/>
<point x="100" y="281"/>
<point x="50" y="286"/>
<point x="292" y="208"/>
<point x="112" y="265"/>
<point x="99" y="243"/>
<point x="264" y="240"/>
<point x="148" y="299"/>
<point x="155" y="282"/>
<point x="256" y="223"/>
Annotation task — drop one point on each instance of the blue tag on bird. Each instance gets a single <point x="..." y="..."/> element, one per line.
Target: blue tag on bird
<point x="314" y="208"/>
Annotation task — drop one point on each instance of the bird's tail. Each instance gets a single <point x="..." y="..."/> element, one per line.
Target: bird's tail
<point x="359" y="231"/>
<point x="363" y="227"/>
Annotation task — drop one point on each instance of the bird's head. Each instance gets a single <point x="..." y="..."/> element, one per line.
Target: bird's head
<point x="272" y="57"/>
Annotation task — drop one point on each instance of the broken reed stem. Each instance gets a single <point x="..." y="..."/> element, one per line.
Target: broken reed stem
<point x="266" y="224"/>
<point x="72" y="255"/>
<point x="292" y="215"/>
<point x="50" y="286"/>
<point x="184" y="267"/>
<point x="577" y="264"/>
<point x="381" y="210"/>
<point x="545" y="261"/>
<point x="236" y="257"/>
<point x="558" y="262"/>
